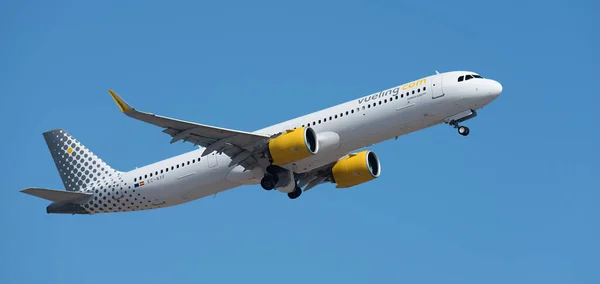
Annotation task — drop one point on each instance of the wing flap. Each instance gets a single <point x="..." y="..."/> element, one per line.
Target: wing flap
<point x="314" y="183"/>
<point x="58" y="195"/>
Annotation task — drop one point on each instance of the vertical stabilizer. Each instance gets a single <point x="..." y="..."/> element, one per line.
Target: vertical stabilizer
<point x="77" y="165"/>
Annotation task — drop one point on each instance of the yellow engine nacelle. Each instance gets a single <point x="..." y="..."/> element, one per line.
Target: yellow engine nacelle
<point x="293" y="145"/>
<point x="356" y="169"/>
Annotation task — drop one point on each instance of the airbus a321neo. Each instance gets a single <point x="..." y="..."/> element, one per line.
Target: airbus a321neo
<point x="291" y="157"/>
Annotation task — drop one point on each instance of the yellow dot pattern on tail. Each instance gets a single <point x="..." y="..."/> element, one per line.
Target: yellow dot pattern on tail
<point x="83" y="171"/>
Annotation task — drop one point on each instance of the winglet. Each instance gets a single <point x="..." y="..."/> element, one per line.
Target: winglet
<point x="123" y="106"/>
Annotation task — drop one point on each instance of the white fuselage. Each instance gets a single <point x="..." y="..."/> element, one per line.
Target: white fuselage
<point x="358" y="123"/>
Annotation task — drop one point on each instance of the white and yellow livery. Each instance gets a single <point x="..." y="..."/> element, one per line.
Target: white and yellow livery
<point x="291" y="157"/>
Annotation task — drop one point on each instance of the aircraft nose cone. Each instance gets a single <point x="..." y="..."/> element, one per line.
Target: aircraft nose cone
<point x="495" y="88"/>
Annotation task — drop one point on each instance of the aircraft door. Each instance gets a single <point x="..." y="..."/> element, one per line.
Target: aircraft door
<point x="436" y="87"/>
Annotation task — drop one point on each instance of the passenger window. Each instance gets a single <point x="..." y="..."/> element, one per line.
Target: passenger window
<point x="134" y="179"/>
<point x="319" y="121"/>
<point x="413" y="92"/>
<point x="330" y="117"/>
<point x="178" y="166"/>
<point x="156" y="173"/>
<point x="424" y="88"/>
<point x="460" y="79"/>
<point x="188" y="162"/>
<point x="161" y="171"/>
<point x="418" y="90"/>
<point x="150" y="174"/>
<point x="172" y="168"/>
<point x="346" y="112"/>
<point x="145" y="176"/>
<point x="385" y="100"/>
<point x="167" y="170"/>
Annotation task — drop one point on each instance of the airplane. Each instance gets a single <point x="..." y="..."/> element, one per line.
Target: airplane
<point x="291" y="157"/>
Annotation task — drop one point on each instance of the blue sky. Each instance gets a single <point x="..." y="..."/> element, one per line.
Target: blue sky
<point x="514" y="202"/>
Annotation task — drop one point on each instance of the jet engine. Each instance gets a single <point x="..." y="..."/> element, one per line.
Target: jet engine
<point x="355" y="169"/>
<point x="293" y="145"/>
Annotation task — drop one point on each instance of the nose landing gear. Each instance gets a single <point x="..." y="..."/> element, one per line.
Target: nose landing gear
<point x="460" y="117"/>
<point x="462" y="130"/>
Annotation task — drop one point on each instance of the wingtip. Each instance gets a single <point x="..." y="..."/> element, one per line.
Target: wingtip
<point x="123" y="106"/>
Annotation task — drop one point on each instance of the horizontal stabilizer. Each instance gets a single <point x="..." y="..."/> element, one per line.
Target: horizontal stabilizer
<point x="58" y="195"/>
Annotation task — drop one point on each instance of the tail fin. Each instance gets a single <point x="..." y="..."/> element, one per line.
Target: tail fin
<point x="77" y="165"/>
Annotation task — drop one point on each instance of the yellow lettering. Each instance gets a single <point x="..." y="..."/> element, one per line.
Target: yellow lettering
<point x="414" y="84"/>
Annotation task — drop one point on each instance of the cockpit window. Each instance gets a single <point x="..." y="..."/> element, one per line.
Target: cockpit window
<point x="468" y="77"/>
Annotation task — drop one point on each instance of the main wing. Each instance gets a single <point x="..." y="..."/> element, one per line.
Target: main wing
<point x="350" y="170"/>
<point x="314" y="177"/>
<point x="239" y="145"/>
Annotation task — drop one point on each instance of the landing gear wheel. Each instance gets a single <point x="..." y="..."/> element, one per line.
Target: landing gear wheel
<point x="296" y="193"/>
<point x="268" y="182"/>
<point x="463" y="130"/>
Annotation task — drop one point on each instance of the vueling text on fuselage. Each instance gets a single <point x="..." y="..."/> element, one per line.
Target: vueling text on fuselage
<point x="393" y="91"/>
